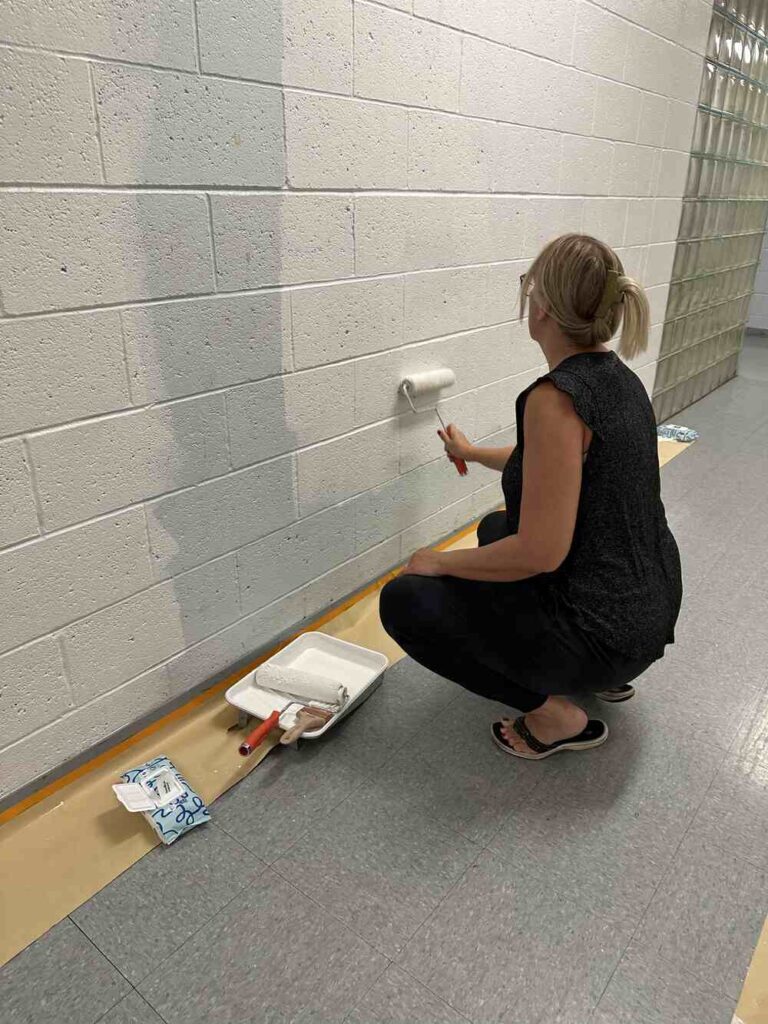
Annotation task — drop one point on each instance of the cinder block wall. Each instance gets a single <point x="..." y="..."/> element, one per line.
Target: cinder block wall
<point x="227" y="229"/>
<point x="758" y="308"/>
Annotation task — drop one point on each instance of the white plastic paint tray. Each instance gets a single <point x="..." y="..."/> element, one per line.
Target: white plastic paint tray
<point x="357" y="668"/>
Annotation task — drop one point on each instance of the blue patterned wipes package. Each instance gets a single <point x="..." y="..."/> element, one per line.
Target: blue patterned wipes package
<point x="163" y="795"/>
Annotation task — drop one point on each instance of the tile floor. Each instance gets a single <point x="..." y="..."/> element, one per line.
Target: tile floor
<point x="414" y="874"/>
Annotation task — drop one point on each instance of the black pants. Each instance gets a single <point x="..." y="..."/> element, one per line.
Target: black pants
<point x="508" y="642"/>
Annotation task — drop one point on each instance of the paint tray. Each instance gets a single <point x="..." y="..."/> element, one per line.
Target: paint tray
<point x="357" y="668"/>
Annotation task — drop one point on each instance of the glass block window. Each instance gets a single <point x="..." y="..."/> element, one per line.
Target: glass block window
<point x="724" y="212"/>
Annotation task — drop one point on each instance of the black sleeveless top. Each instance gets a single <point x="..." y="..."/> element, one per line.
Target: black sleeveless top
<point x="621" y="579"/>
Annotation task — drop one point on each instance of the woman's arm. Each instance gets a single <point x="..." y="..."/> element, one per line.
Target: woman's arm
<point x="552" y="466"/>
<point x="456" y="444"/>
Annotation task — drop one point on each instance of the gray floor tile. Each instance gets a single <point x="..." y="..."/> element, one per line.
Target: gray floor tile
<point x="151" y="909"/>
<point x="472" y="802"/>
<point x="459" y="741"/>
<point x="131" y="1010"/>
<point x="59" y="979"/>
<point x="751" y="741"/>
<point x="505" y="947"/>
<point x="650" y="991"/>
<point x="397" y="999"/>
<point x="380" y="868"/>
<point x="289" y="792"/>
<point x="607" y="824"/>
<point x="272" y="955"/>
<point x="707" y="915"/>
<point x="407" y="701"/>
<point x="734" y="813"/>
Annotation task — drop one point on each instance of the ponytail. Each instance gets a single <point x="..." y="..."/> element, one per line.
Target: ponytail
<point x="635" y="319"/>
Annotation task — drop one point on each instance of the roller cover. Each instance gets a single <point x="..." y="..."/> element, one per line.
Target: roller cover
<point x="431" y="380"/>
<point x="295" y="683"/>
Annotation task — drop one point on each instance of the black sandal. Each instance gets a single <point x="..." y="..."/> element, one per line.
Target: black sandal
<point x="594" y="735"/>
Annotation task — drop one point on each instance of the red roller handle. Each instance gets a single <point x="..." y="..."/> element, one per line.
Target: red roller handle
<point x="252" y="740"/>
<point x="460" y="465"/>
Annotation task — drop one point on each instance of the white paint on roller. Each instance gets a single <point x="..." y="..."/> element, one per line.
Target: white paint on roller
<point x="298" y="683"/>
<point x="430" y="380"/>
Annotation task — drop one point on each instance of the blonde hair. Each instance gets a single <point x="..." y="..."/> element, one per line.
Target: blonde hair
<point x="582" y="285"/>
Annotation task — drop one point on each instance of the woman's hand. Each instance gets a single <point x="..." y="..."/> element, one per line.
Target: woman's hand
<point x="425" y="562"/>
<point x="456" y="444"/>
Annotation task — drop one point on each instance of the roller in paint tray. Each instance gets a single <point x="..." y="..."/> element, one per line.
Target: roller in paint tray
<point x="417" y="384"/>
<point x="306" y="687"/>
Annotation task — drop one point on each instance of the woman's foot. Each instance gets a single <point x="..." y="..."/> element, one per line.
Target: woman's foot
<point x="556" y="719"/>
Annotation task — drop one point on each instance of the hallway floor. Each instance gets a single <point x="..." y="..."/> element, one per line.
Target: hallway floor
<point x="408" y="871"/>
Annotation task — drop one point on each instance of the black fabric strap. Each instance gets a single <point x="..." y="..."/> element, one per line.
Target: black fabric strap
<point x="525" y="734"/>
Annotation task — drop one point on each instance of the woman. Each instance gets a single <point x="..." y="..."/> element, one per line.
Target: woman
<point x="576" y="587"/>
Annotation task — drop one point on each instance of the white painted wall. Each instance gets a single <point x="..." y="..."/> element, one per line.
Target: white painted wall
<point x="227" y="230"/>
<point x="758" y="307"/>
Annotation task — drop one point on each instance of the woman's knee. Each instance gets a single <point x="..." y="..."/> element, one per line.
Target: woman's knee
<point x="492" y="527"/>
<point x="411" y="605"/>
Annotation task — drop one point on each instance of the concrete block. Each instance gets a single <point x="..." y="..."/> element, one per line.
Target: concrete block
<point x="673" y="173"/>
<point x="665" y="221"/>
<point x="82" y="728"/>
<point x="196" y="525"/>
<point x="617" y="111"/>
<point x="649" y="61"/>
<point x="550" y="217"/>
<point x="49" y="131"/>
<point x="633" y="168"/>
<point x="647" y="375"/>
<point x="503" y="296"/>
<point x="496" y="402"/>
<point x="86" y="470"/>
<point x="543" y="29"/>
<point x="654" y="116"/>
<point x="63" y="250"/>
<point x="440" y="302"/>
<point x="658" y="263"/>
<point x="33" y="690"/>
<point x="438" y="526"/>
<point x="341" y="321"/>
<point x="587" y="166"/>
<point x="151" y="32"/>
<point x="682" y="117"/>
<point x="633" y="261"/>
<point x="332" y="472"/>
<point x="508" y="85"/>
<point x="281" y="239"/>
<point x="284" y="413"/>
<point x="217" y="655"/>
<point x="657" y="300"/>
<point x="605" y="218"/>
<point x="285" y="561"/>
<point x="639" y="220"/>
<point x="488" y="499"/>
<point x="419" y="443"/>
<point x="114" y="645"/>
<point x="183" y="348"/>
<point x="477" y="358"/>
<point x="524" y="159"/>
<point x="167" y="128"/>
<point x="55" y="580"/>
<point x="399" y="5"/>
<point x="600" y="42"/>
<point x="388" y="510"/>
<point x="345" y="143"/>
<point x="448" y="152"/>
<point x="402" y="60"/>
<point x="398" y="233"/>
<point x="338" y="584"/>
<point x="19" y="518"/>
<point x="296" y="42"/>
<point x="57" y="369"/>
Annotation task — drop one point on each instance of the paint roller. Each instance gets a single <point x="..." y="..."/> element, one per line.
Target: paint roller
<point x="432" y="380"/>
<point x="293" y="682"/>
